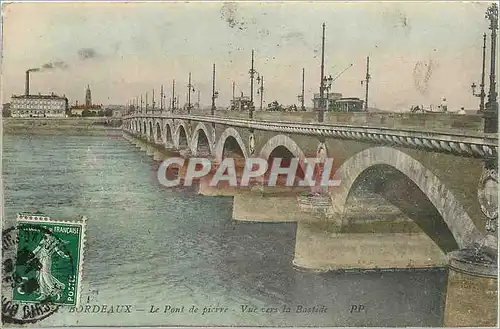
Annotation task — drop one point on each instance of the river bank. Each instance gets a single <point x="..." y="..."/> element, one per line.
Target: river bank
<point x="62" y="126"/>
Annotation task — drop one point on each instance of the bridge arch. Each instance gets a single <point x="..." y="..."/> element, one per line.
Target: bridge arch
<point x="228" y="133"/>
<point x="168" y="135"/>
<point x="454" y="215"/>
<point x="144" y="127"/>
<point x="150" y="131"/>
<point x="201" y="128"/>
<point x="283" y="141"/>
<point x="284" y="146"/>
<point x="181" y="136"/>
<point x="158" y="134"/>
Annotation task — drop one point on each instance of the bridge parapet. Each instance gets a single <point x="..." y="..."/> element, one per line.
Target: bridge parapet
<point x="458" y="142"/>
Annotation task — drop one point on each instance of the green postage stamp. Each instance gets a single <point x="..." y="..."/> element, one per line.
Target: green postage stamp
<point x="49" y="260"/>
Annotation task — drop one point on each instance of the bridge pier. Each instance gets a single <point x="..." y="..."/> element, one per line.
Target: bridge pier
<point x="157" y="151"/>
<point x="185" y="152"/>
<point x="324" y="246"/>
<point x="169" y="145"/>
<point x="150" y="150"/>
<point x="260" y="203"/>
<point x="257" y="207"/>
<point x="222" y="189"/>
<point x="472" y="288"/>
<point x="141" y="143"/>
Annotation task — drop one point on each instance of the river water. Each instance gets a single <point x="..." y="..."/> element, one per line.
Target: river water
<point x="148" y="245"/>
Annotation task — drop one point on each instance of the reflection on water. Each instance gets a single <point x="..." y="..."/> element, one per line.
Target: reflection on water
<point x="148" y="245"/>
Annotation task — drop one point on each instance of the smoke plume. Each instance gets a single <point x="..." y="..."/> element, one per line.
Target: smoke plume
<point x="50" y="66"/>
<point x="83" y="54"/>
<point x="55" y="65"/>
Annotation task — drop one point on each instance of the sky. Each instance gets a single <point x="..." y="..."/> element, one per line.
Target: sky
<point x="419" y="52"/>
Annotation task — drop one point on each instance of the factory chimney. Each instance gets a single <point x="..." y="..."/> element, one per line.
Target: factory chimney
<point x="27" y="83"/>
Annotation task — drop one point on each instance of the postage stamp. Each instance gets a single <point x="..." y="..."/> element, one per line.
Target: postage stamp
<point x="250" y="163"/>
<point x="42" y="266"/>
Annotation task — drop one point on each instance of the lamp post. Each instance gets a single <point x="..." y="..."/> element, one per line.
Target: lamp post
<point x="260" y="90"/>
<point x="491" y="109"/>
<point x="252" y="74"/>
<point x="162" y="97"/>
<point x="489" y="180"/>
<point x="153" y="102"/>
<point x="327" y="85"/>
<point x="301" y="96"/>
<point x="481" y="94"/>
<point x="480" y="258"/>
<point x="300" y="99"/>
<point x="215" y="93"/>
<point x="367" y="81"/>
<point x="190" y="89"/>
<point x="233" y="95"/>
<point x="321" y="112"/>
<point x="173" y="95"/>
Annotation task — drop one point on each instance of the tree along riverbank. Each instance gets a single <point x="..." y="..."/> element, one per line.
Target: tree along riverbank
<point x="62" y="126"/>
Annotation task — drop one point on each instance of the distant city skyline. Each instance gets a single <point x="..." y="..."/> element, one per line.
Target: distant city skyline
<point x="419" y="52"/>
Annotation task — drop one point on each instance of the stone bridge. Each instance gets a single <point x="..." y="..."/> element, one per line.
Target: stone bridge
<point x="414" y="187"/>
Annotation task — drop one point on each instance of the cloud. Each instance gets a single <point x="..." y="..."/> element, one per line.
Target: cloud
<point x="87" y="53"/>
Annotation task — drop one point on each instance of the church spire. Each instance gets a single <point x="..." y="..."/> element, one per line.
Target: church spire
<point x="88" y="97"/>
